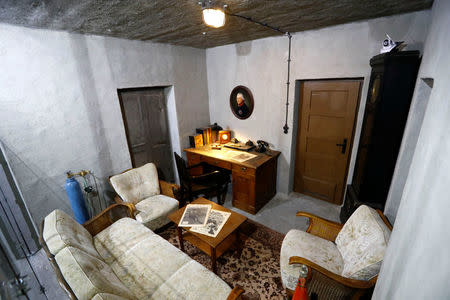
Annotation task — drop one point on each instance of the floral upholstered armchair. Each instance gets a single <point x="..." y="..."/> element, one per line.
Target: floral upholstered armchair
<point x="343" y="260"/>
<point x="154" y="199"/>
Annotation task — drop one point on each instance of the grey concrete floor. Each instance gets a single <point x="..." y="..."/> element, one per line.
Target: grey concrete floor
<point x="278" y="214"/>
<point x="45" y="276"/>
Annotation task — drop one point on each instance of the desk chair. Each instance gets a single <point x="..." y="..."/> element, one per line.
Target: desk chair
<point x="212" y="182"/>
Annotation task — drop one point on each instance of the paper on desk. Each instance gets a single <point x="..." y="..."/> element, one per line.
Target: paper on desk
<point x="241" y="157"/>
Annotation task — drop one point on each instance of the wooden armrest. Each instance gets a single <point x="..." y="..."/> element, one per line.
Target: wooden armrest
<point x="117" y="199"/>
<point x="353" y="283"/>
<point x="235" y="293"/>
<point x="206" y="175"/>
<point x="385" y="220"/>
<point x="321" y="227"/>
<point x="109" y="216"/>
<point x="169" y="189"/>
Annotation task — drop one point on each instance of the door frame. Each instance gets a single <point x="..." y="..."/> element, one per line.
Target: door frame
<point x="298" y="101"/>
<point x="168" y="93"/>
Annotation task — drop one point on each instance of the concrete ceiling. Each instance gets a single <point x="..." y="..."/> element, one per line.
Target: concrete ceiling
<point x="180" y="21"/>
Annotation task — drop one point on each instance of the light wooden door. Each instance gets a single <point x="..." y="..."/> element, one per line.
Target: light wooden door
<point x="145" y="117"/>
<point x="325" y="132"/>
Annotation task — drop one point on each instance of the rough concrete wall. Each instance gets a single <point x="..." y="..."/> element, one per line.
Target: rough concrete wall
<point x="336" y="52"/>
<point x="417" y="261"/>
<point x="409" y="142"/>
<point x="60" y="109"/>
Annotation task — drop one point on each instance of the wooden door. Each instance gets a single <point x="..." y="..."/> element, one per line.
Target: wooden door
<point x="144" y="113"/>
<point x="325" y="134"/>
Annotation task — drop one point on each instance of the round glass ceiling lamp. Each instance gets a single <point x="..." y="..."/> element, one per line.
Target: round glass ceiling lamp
<point x="213" y="17"/>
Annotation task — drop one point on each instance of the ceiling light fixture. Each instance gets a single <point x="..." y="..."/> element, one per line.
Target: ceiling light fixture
<point x="214" y="16"/>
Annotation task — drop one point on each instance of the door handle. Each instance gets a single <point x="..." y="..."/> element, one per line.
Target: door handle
<point x="343" y="145"/>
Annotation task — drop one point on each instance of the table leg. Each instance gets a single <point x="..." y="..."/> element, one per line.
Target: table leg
<point x="239" y="243"/>
<point x="213" y="260"/>
<point x="180" y="238"/>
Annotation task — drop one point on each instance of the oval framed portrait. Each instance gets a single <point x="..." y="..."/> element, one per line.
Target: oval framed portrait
<point x="241" y="102"/>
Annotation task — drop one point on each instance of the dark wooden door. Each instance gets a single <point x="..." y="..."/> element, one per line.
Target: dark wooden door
<point x="144" y="113"/>
<point x="324" y="137"/>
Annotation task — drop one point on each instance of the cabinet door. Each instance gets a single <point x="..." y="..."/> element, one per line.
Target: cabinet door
<point x="243" y="192"/>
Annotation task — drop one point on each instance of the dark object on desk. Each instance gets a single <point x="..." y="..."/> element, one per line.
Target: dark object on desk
<point x="239" y="146"/>
<point x="391" y="89"/>
<point x="215" y="130"/>
<point x="234" y="140"/>
<point x="215" y="127"/>
<point x="249" y="143"/>
<point x="211" y="182"/>
<point x="262" y="146"/>
<point x="254" y="180"/>
<point x="216" y="147"/>
<point x="192" y="141"/>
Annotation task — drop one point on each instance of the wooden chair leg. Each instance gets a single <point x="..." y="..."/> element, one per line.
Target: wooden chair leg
<point x="190" y="196"/>
<point x="218" y="192"/>
<point x="224" y="193"/>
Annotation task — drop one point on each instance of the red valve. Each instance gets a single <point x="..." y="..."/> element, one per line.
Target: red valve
<point x="300" y="292"/>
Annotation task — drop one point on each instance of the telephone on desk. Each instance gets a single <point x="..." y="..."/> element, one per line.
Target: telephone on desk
<point x="262" y="147"/>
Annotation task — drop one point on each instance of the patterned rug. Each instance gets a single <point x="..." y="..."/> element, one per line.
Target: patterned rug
<point x="257" y="270"/>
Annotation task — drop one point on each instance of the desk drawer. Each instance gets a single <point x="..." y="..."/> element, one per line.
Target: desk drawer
<point x="244" y="170"/>
<point x="193" y="159"/>
<point x="217" y="162"/>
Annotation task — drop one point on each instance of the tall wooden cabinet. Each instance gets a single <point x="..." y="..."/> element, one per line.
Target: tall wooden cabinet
<point x="391" y="88"/>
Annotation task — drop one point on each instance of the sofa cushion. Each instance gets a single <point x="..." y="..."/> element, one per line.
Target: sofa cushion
<point x="88" y="275"/>
<point x="137" y="184"/>
<point x="147" y="265"/>
<point x="318" y="250"/>
<point x="362" y="243"/>
<point x="154" y="210"/>
<point x="116" y="239"/>
<point x="191" y="282"/>
<point x="105" y="296"/>
<point x="61" y="230"/>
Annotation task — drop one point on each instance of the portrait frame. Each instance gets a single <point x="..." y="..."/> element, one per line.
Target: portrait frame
<point x="248" y="102"/>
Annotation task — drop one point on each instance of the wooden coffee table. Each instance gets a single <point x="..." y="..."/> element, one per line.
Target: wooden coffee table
<point x="212" y="246"/>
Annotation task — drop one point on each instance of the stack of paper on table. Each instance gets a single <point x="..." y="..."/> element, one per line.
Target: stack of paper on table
<point x="202" y="219"/>
<point x="214" y="225"/>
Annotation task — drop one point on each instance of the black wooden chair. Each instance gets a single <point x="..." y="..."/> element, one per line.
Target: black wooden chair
<point x="212" y="182"/>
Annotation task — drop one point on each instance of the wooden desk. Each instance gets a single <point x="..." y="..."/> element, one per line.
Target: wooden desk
<point x="254" y="180"/>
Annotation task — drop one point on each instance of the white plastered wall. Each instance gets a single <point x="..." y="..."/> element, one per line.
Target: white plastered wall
<point x="417" y="261"/>
<point x="60" y="111"/>
<point x="340" y="51"/>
